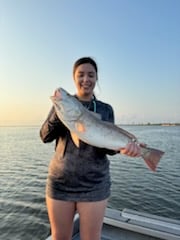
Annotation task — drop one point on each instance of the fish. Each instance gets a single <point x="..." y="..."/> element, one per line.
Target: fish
<point x="84" y="125"/>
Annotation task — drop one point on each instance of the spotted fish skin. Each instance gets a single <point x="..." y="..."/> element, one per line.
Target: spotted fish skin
<point x="87" y="127"/>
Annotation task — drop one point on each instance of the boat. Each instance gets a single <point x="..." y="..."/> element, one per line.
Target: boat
<point x="133" y="225"/>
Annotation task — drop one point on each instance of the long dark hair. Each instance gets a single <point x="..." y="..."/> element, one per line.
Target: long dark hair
<point x="84" y="60"/>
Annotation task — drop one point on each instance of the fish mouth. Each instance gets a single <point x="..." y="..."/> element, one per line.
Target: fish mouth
<point x="58" y="94"/>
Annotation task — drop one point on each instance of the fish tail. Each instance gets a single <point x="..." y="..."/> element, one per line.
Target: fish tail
<point x="151" y="157"/>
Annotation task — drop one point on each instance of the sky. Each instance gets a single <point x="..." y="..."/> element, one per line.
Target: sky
<point x="136" y="44"/>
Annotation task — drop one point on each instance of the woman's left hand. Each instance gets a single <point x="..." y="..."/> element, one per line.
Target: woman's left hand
<point x="132" y="149"/>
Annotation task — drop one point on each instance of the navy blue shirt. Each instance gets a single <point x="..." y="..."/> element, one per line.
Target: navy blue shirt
<point x="77" y="174"/>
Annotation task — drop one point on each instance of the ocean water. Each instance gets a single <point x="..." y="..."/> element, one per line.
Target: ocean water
<point x="24" y="163"/>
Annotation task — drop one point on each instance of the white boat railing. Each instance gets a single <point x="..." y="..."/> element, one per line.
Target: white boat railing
<point x="147" y="224"/>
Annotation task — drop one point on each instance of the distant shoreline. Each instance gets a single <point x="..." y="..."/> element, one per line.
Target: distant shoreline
<point x="121" y="124"/>
<point x="151" y="124"/>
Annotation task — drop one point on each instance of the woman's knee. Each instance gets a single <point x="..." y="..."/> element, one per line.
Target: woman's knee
<point x="91" y="219"/>
<point x="61" y="214"/>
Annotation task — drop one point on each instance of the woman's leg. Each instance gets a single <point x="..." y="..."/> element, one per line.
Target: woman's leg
<point x="61" y="214"/>
<point x="91" y="219"/>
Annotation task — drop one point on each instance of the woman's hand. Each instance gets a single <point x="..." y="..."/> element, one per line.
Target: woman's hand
<point x="132" y="149"/>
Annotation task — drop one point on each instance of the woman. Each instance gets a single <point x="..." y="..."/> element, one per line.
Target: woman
<point x="78" y="178"/>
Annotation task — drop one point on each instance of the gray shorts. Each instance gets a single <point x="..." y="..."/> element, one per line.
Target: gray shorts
<point x="59" y="191"/>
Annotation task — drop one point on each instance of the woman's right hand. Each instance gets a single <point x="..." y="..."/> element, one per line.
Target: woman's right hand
<point x="132" y="149"/>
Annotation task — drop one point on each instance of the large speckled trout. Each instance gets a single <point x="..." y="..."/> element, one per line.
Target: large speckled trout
<point x="87" y="127"/>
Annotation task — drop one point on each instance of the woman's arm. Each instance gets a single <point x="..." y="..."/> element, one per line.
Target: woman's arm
<point x="52" y="128"/>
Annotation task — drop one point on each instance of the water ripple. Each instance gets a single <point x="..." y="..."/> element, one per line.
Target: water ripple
<point x="23" y="170"/>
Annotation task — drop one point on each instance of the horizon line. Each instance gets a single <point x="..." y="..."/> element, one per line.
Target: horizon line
<point x="135" y="124"/>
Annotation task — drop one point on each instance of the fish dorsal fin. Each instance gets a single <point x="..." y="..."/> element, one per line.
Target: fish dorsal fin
<point x="75" y="139"/>
<point x="97" y="115"/>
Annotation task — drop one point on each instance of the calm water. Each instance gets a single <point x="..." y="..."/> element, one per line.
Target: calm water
<point x="23" y="169"/>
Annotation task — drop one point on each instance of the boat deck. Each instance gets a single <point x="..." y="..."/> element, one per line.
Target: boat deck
<point x="133" y="225"/>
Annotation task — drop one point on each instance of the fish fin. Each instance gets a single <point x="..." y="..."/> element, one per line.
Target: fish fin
<point x="75" y="139"/>
<point x="151" y="157"/>
<point x="80" y="127"/>
<point x="97" y="115"/>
